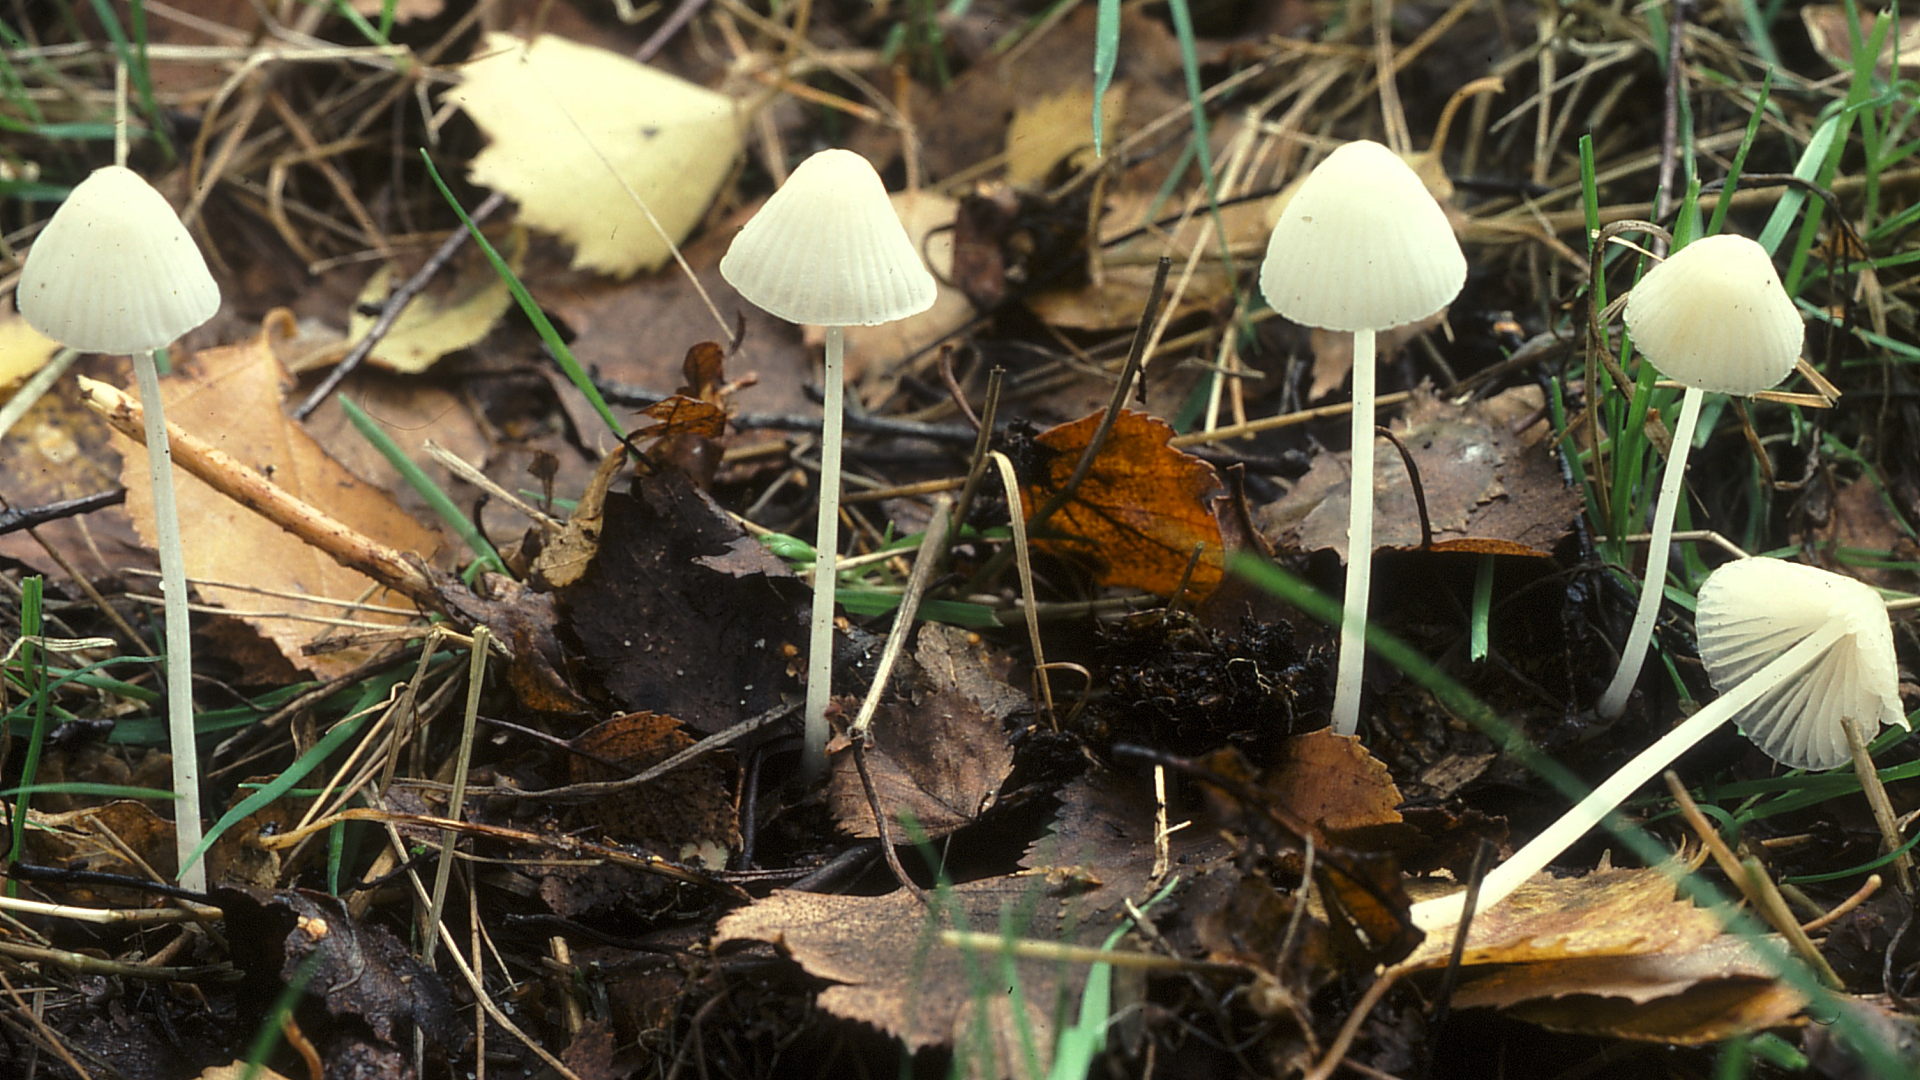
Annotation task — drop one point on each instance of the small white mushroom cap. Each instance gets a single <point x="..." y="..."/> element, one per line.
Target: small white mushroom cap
<point x="1714" y="317"/>
<point x="1362" y="246"/>
<point x="828" y="250"/>
<point x="1753" y="610"/>
<point x="114" y="271"/>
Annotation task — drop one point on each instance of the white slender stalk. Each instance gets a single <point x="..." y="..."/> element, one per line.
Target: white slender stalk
<point x="826" y="545"/>
<point x="1537" y="853"/>
<point x="173" y="585"/>
<point x="1654" y="585"/>
<point x="1353" y="622"/>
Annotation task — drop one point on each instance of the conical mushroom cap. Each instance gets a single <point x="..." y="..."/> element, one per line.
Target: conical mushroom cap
<point x="114" y="271"/>
<point x="1753" y="610"/>
<point x="1713" y="316"/>
<point x="828" y="250"/>
<point x="1362" y="246"/>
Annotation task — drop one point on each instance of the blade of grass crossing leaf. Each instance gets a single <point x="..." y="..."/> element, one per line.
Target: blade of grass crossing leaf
<point x="1482" y="609"/>
<point x="418" y="479"/>
<point x="1884" y="1059"/>
<point x="336" y="845"/>
<point x="267" y="1035"/>
<point x="1746" y="144"/>
<point x="35" y="678"/>
<point x="1106" y="53"/>
<point x="1075" y="1049"/>
<point x="541" y="324"/>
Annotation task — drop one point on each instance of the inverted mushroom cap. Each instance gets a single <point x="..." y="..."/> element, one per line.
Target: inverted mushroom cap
<point x="828" y="250"/>
<point x="1753" y="610"/>
<point x="1362" y="246"/>
<point x="1713" y="316"/>
<point x="114" y="271"/>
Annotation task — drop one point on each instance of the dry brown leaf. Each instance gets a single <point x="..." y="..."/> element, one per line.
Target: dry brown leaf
<point x="1331" y="782"/>
<point x="232" y="398"/>
<point x="566" y="556"/>
<point x="240" y="1070"/>
<point x="1629" y="912"/>
<point x="686" y="814"/>
<point x="1703" y="995"/>
<point x="1140" y="512"/>
<point x="1488" y="490"/>
<point x="942" y="754"/>
<point x="1827" y="26"/>
<point x="1333" y="352"/>
<point x="887" y="973"/>
<point x="874" y="352"/>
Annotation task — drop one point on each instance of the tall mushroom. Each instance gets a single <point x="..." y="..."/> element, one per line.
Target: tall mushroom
<point x="1361" y="247"/>
<point x="828" y="250"/>
<point x="114" y="271"/>
<point x="1796" y="653"/>
<point x="1712" y="317"/>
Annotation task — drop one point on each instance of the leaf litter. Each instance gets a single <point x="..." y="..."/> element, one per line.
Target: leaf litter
<point x="650" y="619"/>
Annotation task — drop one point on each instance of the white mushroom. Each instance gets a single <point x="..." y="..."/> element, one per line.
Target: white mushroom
<point x="114" y="271"/>
<point x="1795" y="652"/>
<point x="1714" y="317"/>
<point x="1362" y="247"/>
<point x="827" y="249"/>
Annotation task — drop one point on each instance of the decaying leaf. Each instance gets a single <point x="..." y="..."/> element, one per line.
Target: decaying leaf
<point x="1491" y="486"/>
<point x="575" y="128"/>
<point x="1827" y="26"/>
<point x="1609" y="912"/>
<point x="681" y="612"/>
<point x="1703" y="995"/>
<point x="873" y="352"/>
<point x="231" y="397"/>
<point x="942" y="753"/>
<point x="1046" y="131"/>
<point x="457" y="314"/>
<point x="890" y="970"/>
<point x="686" y="814"/>
<point x="1331" y="782"/>
<point x="1139" y="514"/>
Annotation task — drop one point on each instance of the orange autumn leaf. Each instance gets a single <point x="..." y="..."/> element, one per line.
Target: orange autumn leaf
<point x="1139" y="513"/>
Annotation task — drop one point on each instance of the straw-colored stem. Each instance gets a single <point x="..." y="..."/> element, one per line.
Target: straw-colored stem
<point x="1353" y="623"/>
<point x="1654" y="585"/>
<point x="826" y="545"/>
<point x="1590" y="811"/>
<point x="173" y="585"/>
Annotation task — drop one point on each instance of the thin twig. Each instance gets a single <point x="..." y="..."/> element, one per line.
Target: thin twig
<point x="932" y="546"/>
<point x="880" y="823"/>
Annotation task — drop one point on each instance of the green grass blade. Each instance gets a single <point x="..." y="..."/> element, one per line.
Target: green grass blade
<point x="417" y="478"/>
<point x="1106" y="54"/>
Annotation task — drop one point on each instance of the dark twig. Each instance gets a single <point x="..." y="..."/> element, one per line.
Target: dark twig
<point x="1419" y="489"/>
<point x="953" y="387"/>
<point x="1670" y="114"/>
<point x="629" y="396"/>
<point x="977" y="465"/>
<point x="396" y="303"/>
<point x="30" y="517"/>
<point x="1443" y="1004"/>
<point x="681" y="16"/>
<point x="880" y="823"/>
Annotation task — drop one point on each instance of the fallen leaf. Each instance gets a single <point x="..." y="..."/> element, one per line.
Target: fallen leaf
<point x="1139" y="514"/>
<point x="685" y="815"/>
<point x="23" y="350"/>
<point x="231" y="397"/>
<point x="942" y="753"/>
<point x="1333" y="352"/>
<point x="1333" y="783"/>
<point x="682" y="613"/>
<point x="873" y="352"/>
<point x="574" y="129"/>
<point x="1703" y="995"/>
<point x="1626" y="912"/>
<point x="1488" y="489"/>
<point x="566" y="555"/>
<point x="1048" y="130"/>
<point x="454" y="314"/>
<point x="1827" y="26"/>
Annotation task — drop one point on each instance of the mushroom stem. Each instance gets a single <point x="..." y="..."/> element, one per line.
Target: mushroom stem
<point x="173" y="585"/>
<point x="826" y="546"/>
<point x="1353" y="622"/>
<point x="1537" y="853"/>
<point x="1654" y="585"/>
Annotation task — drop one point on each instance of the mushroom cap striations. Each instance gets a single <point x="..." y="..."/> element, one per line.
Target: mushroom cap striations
<point x="1713" y="316"/>
<point x="114" y="271"/>
<point x="1362" y="246"/>
<point x="828" y="250"/>
<point x="1753" y="610"/>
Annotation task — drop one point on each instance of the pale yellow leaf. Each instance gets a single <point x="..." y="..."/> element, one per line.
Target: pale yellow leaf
<point x="23" y="350"/>
<point x="436" y="322"/>
<point x="579" y="133"/>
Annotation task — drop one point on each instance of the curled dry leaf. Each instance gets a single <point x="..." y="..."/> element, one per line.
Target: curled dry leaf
<point x="686" y="815"/>
<point x="1139" y="514"/>
<point x="231" y="396"/>
<point x="941" y="753"/>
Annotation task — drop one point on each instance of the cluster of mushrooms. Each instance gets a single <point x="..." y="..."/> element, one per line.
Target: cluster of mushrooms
<point x="1797" y="654"/>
